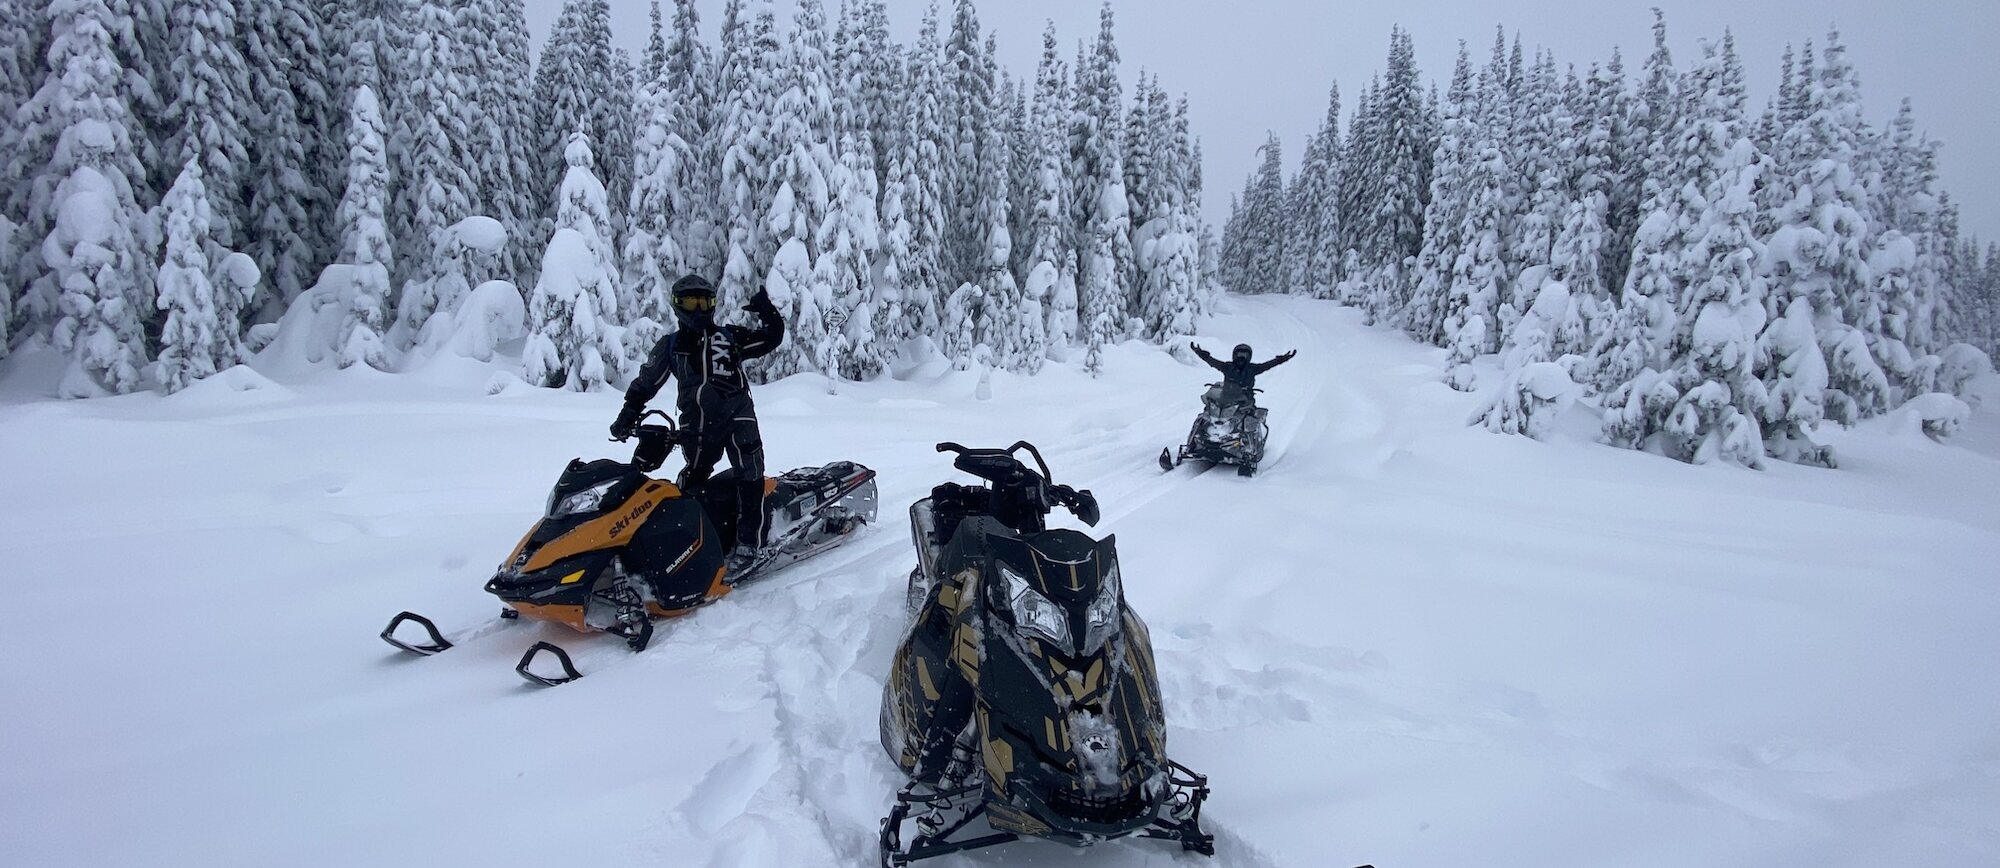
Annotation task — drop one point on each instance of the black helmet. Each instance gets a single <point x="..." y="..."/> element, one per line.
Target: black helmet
<point x="1240" y="354"/>
<point x="694" y="301"/>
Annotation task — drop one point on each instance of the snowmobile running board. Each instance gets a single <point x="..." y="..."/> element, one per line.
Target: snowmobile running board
<point x="437" y="641"/>
<point x="562" y="658"/>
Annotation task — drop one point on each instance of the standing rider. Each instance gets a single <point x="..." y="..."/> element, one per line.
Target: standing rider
<point x="1239" y="376"/>
<point x="714" y="399"/>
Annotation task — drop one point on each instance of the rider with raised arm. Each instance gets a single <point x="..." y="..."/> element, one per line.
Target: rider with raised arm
<point x="1239" y="376"/>
<point x="706" y="360"/>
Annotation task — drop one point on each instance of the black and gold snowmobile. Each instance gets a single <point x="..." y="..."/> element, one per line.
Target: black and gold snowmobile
<point x="616" y="549"/>
<point x="1023" y="692"/>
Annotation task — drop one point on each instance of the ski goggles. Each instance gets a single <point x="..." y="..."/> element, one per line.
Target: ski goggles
<point x="695" y="302"/>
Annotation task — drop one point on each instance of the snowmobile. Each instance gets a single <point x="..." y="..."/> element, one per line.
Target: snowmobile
<point x="616" y="548"/>
<point x="1224" y="434"/>
<point x="1023" y="691"/>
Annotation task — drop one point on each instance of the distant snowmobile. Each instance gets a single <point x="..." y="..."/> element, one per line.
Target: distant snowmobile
<point x="1231" y="428"/>
<point x="1224" y="434"/>
<point x="616" y="548"/>
<point x="1024" y="690"/>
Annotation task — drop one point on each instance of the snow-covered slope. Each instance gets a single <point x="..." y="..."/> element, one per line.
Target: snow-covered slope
<point x="1405" y="642"/>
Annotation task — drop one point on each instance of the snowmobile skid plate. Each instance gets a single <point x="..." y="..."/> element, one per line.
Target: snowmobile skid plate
<point x="562" y="659"/>
<point x="941" y="814"/>
<point x="434" y="644"/>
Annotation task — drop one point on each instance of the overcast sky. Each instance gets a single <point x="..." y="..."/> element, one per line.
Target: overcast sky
<point x="1266" y="64"/>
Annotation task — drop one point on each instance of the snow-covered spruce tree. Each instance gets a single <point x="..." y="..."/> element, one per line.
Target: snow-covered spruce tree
<point x="1064" y="326"/>
<point x="1541" y="125"/>
<point x="1478" y="278"/>
<point x="1022" y="167"/>
<point x="1047" y="238"/>
<point x="437" y="189"/>
<point x="968" y="98"/>
<point x="1323" y="263"/>
<point x="573" y="342"/>
<point x="1262" y="232"/>
<point x="577" y="87"/>
<point x="688" y="91"/>
<point x="290" y="205"/>
<point x="364" y="224"/>
<point x="752" y="76"/>
<point x="188" y="340"/>
<point x="24" y="34"/>
<point x="1095" y="167"/>
<point x="917" y="188"/>
<point x="848" y="239"/>
<point x="212" y="106"/>
<point x="1819" y="249"/>
<point x="1172" y="296"/>
<point x="799" y="188"/>
<point x="1795" y="377"/>
<point x="510" y="171"/>
<point x="1722" y="400"/>
<point x="97" y="275"/>
<point x="656" y="245"/>
<point x="1428" y="310"/>
<point x="1404" y="136"/>
<point x="1007" y="334"/>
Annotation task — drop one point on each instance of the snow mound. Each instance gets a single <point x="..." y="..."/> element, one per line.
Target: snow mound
<point x="233" y="386"/>
<point x="508" y="384"/>
<point x="492" y="315"/>
<point x="1935" y="414"/>
<point x="311" y="325"/>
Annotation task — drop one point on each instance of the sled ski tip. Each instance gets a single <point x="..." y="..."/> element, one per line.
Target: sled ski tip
<point x="434" y="643"/>
<point x="562" y="659"/>
<point x="1166" y="459"/>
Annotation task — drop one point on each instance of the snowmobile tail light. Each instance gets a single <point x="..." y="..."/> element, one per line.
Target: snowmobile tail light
<point x="1102" y="616"/>
<point x="587" y="500"/>
<point x="1034" y="612"/>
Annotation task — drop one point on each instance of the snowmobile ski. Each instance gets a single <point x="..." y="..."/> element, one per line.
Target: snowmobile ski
<point x="434" y="644"/>
<point x="1167" y="461"/>
<point x="525" y="667"/>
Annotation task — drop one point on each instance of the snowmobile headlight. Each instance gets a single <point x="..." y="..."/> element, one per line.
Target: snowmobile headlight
<point x="1034" y="612"/>
<point x="587" y="500"/>
<point x="1102" y="616"/>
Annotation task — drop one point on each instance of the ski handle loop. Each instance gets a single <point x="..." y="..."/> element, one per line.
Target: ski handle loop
<point x="1000" y="467"/>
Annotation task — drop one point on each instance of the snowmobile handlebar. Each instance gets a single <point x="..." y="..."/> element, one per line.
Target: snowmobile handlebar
<point x="655" y="442"/>
<point x="1010" y="476"/>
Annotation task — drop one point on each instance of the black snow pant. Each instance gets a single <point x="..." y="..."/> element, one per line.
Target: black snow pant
<point x="735" y="435"/>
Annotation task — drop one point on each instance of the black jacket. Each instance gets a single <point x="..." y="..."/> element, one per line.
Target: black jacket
<point x="1240" y="375"/>
<point x="707" y="362"/>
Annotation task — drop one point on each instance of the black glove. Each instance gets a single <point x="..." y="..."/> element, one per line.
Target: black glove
<point x="1288" y="355"/>
<point x="761" y="303"/>
<point x="1195" y="346"/>
<point x="627" y="422"/>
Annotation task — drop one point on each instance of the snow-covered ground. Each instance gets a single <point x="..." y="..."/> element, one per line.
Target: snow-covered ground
<point x="1406" y="642"/>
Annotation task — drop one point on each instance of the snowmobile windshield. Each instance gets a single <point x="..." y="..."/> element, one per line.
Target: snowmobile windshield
<point x="590" y="487"/>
